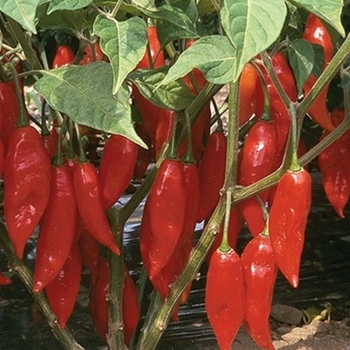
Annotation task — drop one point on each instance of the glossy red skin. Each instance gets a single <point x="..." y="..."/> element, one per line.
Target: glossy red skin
<point x="144" y="155"/>
<point x="167" y="213"/>
<point x="90" y="253"/>
<point x="90" y="207"/>
<point x="62" y="292"/>
<point x="224" y="296"/>
<point x="164" y="129"/>
<point x="27" y="177"/>
<point x="9" y="107"/>
<point x="278" y="110"/>
<point x="4" y="281"/>
<point x="89" y="56"/>
<point x="260" y="272"/>
<point x="57" y="228"/>
<point x="50" y="142"/>
<point x="287" y="222"/>
<point x="169" y="273"/>
<point x="2" y="157"/>
<point x="149" y="112"/>
<point x="234" y="227"/>
<point x="98" y="303"/>
<point x="146" y="238"/>
<point x="116" y="168"/>
<point x="64" y="56"/>
<point x="315" y="32"/>
<point x="335" y="168"/>
<point x="258" y="160"/>
<point x="211" y="174"/>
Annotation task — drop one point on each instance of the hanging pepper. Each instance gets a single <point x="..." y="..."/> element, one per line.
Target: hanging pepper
<point x="64" y="56"/>
<point x="288" y="219"/>
<point x="63" y="291"/>
<point x="166" y="121"/>
<point x="98" y="303"/>
<point x="315" y="32"/>
<point x="87" y="192"/>
<point x="234" y="227"/>
<point x="149" y="111"/>
<point x="57" y="227"/>
<point x="333" y="164"/>
<point x="224" y="296"/>
<point x="211" y="174"/>
<point x="4" y="281"/>
<point x="258" y="160"/>
<point x="90" y="253"/>
<point x="167" y="212"/>
<point x="259" y="272"/>
<point x="116" y="168"/>
<point x="9" y="111"/>
<point x="92" y="53"/>
<point x="27" y="184"/>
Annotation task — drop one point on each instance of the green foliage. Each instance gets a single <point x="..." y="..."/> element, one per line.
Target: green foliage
<point x="84" y="93"/>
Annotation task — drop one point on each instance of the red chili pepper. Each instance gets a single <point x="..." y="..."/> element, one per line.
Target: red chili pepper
<point x="98" y="303"/>
<point x="260" y="272"/>
<point x="165" y="125"/>
<point x="333" y="164"/>
<point x="247" y="93"/>
<point x="27" y="185"/>
<point x="234" y="227"/>
<point x="90" y="207"/>
<point x="9" y="111"/>
<point x="258" y="160"/>
<point x="89" y="56"/>
<point x="64" y="56"/>
<point x="90" y="253"/>
<point x="4" y="281"/>
<point x="224" y="296"/>
<point x="57" y="228"/>
<point x="315" y="32"/>
<point x="62" y="292"/>
<point x="2" y="157"/>
<point x="149" y="111"/>
<point x="167" y="213"/>
<point x="211" y="174"/>
<point x="287" y="221"/>
<point x="116" y="168"/>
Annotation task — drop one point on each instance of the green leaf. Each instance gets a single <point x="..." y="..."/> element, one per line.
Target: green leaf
<point x="301" y="58"/>
<point x="84" y="93"/>
<point x="175" y="95"/>
<point x="123" y="42"/>
<point x="213" y="55"/>
<point x="205" y="7"/>
<point x="67" y="5"/>
<point x="22" y="11"/>
<point x="252" y="26"/>
<point x="147" y="4"/>
<point x="330" y="11"/>
<point x="176" y="21"/>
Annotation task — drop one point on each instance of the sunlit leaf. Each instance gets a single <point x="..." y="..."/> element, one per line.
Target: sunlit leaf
<point x="84" y="93"/>
<point x="67" y="5"/>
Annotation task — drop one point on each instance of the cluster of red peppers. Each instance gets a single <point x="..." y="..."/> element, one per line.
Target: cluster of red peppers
<point x="67" y="197"/>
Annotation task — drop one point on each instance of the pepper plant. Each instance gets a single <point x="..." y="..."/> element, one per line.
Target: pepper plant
<point x="124" y="90"/>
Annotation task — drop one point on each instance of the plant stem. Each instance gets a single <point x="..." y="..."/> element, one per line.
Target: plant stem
<point x="63" y="335"/>
<point x="115" y="337"/>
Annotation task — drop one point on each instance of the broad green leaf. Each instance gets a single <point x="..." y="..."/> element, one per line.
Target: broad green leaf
<point x="147" y="4"/>
<point x="22" y="11"/>
<point x="330" y="11"/>
<point x="252" y="26"/>
<point x="205" y="7"/>
<point x="301" y="58"/>
<point x="213" y="55"/>
<point x="84" y="93"/>
<point x="123" y="42"/>
<point x="176" y="22"/>
<point x="175" y="95"/>
<point x="67" y="5"/>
